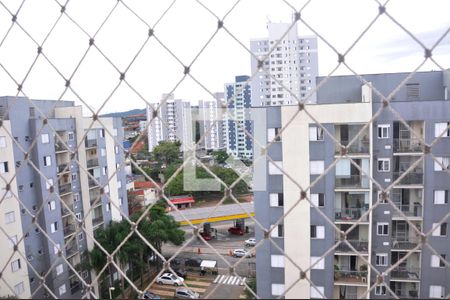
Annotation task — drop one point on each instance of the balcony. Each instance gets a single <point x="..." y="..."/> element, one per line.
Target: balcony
<point x="414" y="210"/>
<point x="406" y="273"/>
<point x="97" y="221"/>
<point x="65" y="188"/>
<point x="63" y="168"/>
<point x="92" y="183"/>
<point x="350" y="214"/>
<point x="360" y="246"/>
<point x="352" y="182"/>
<point x="69" y="229"/>
<point x="60" y="147"/>
<point x="411" y="178"/>
<point x="357" y="147"/>
<point x="405" y="290"/>
<point x="94" y="198"/>
<point x="75" y="286"/>
<point x="408" y="145"/>
<point x="90" y="143"/>
<point x="91" y="163"/>
<point x="404" y="243"/>
<point x="71" y="249"/>
<point x="344" y="277"/>
<point x="65" y="211"/>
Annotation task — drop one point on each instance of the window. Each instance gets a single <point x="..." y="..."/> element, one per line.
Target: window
<point x="4" y="167"/>
<point x="277" y="261"/>
<point x="80" y="236"/>
<point x="317" y="292"/>
<point x="441" y="230"/>
<point x="54" y="227"/>
<point x="316" y="167"/>
<point x="382" y="228"/>
<point x="102" y="152"/>
<point x="85" y="274"/>
<point x="116" y="149"/>
<point x="412" y="91"/>
<point x="47" y="161"/>
<point x="115" y="131"/>
<point x="277" y="289"/>
<point x="276" y="199"/>
<point x="436" y="262"/>
<point x="71" y="136"/>
<point x="320" y="263"/>
<point x="437" y="291"/>
<point x="119" y="184"/>
<point x="317" y="232"/>
<point x="45" y="138"/>
<point x="19" y="288"/>
<point x="381" y="259"/>
<point x="10" y="217"/>
<point x="74" y="176"/>
<point x="12" y="241"/>
<point x="272" y="135"/>
<point x="318" y="199"/>
<point x="2" y="141"/>
<point x="442" y="163"/>
<point x="273" y="169"/>
<point x="120" y="201"/>
<point x="59" y="269"/>
<point x="62" y="289"/>
<point x="277" y="231"/>
<point x="56" y="248"/>
<point x="78" y="216"/>
<point x="51" y="205"/>
<point x="441" y="197"/>
<point x="383" y="131"/>
<point x="441" y="128"/>
<point x="108" y="206"/>
<point x="49" y="183"/>
<point x="15" y="265"/>
<point x="315" y="133"/>
<point x="380" y="290"/>
<point x="102" y="133"/>
<point x="384" y="164"/>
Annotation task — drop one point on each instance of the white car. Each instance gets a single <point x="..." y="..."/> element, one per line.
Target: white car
<point x="250" y="242"/>
<point x="169" y="278"/>
<point x="241" y="253"/>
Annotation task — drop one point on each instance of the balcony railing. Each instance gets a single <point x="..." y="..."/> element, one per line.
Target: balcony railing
<point x="65" y="188"/>
<point x="407" y="273"/>
<point x="410" y="177"/>
<point x="414" y="210"/>
<point x="97" y="220"/>
<point x="66" y="210"/>
<point x="343" y="276"/>
<point x="93" y="183"/>
<point x="360" y="246"/>
<point x="59" y="146"/>
<point x="357" y="147"/>
<point x="407" y="145"/>
<point x="90" y="143"/>
<point x="71" y="250"/>
<point x="404" y="243"/>
<point x="352" y="181"/>
<point x="350" y="214"/>
<point x="63" y="168"/>
<point x="69" y="229"/>
<point x="92" y="163"/>
<point x="408" y="294"/>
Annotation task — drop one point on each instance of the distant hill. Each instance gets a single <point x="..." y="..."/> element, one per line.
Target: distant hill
<point x="125" y="113"/>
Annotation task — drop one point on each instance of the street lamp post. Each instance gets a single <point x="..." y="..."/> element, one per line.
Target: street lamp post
<point x="111" y="289"/>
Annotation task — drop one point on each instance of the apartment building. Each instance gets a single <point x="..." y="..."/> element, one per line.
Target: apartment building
<point x="171" y="122"/>
<point x="238" y="118"/>
<point x="385" y="150"/>
<point x="292" y="64"/>
<point x="60" y="180"/>
<point x="210" y="120"/>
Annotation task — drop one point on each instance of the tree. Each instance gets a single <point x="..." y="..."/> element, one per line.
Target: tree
<point x="220" y="156"/>
<point x="167" y="152"/>
<point x="251" y="284"/>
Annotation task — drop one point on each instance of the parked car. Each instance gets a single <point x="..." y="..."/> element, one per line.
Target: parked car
<point x="150" y="295"/>
<point x="193" y="262"/>
<point x="179" y="272"/>
<point x="184" y="293"/>
<point x="250" y="242"/>
<point x="170" y="279"/>
<point x="241" y="253"/>
<point x="236" y="230"/>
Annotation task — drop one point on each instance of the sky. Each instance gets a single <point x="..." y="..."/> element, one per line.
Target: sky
<point x="185" y="30"/>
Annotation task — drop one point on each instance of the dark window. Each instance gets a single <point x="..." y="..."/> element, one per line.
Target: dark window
<point x="313" y="231"/>
<point x="443" y="229"/>
<point x="321" y="198"/>
<point x="442" y="261"/>
<point x="280" y="199"/>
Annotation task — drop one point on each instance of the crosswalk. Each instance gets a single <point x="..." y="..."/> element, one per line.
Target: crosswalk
<point x="230" y="280"/>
